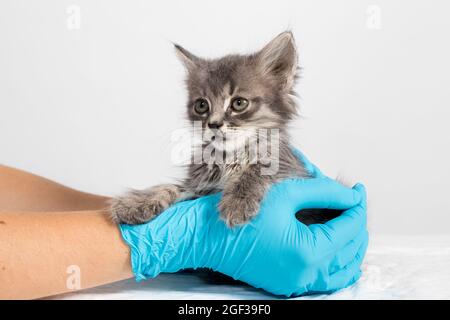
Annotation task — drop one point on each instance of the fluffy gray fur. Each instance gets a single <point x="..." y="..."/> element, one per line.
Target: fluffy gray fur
<point x="266" y="79"/>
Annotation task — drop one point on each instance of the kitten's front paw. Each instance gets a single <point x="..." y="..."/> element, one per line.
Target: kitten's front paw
<point x="236" y="210"/>
<point x="135" y="210"/>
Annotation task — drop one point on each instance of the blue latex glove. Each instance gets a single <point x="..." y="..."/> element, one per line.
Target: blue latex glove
<point x="274" y="251"/>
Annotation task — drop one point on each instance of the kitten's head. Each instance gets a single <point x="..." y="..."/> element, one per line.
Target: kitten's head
<point x="238" y="93"/>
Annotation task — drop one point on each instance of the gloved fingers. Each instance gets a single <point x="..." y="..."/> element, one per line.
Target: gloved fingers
<point x="363" y="193"/>
<point x="336" y="233"/>
<point x="320" y="193"/>
<point x="348" y="253"/>
<point x="349" y="274"/>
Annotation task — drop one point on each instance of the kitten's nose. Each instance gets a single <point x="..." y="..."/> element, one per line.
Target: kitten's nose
<point x="215" y="124"/>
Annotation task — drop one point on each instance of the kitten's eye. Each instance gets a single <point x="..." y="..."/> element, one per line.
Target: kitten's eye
<point x="201" y="106"/>
<point x="239" y="104"/>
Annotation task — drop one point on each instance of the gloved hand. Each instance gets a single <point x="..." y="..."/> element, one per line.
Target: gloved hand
<point x="274" y="251"/>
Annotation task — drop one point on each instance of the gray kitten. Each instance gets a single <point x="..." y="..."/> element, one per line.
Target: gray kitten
<point x="232" y="97"/>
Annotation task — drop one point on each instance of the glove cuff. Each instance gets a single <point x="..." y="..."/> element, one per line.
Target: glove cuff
<point x="172" y="241"/>
<point x="144" y="263"/>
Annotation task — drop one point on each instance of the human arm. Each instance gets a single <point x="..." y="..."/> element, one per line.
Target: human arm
<point x="40" y="251"/>
<point x="24" y="191"/>
<point x="39" y="247"/>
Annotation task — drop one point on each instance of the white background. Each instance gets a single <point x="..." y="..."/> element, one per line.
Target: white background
<point x="94" y="107"/>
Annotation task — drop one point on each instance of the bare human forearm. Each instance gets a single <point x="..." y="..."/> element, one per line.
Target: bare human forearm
<point x="42" y="253"/>
<point x="24" y="191"/>
<point x="54" y="239"/>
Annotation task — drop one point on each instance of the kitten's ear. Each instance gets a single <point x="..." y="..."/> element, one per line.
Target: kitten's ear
<point x="279" y="59"/>
<point x="189" y="60"/>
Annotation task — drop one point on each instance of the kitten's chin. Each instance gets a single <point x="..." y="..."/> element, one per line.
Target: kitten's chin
<point x="223" y="146"/>
<point x="229" y="141"/>
<point x="229" y="144"/>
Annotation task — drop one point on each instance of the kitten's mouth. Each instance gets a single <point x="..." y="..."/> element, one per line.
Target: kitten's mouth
<point x="228" y="140"/>
<point x="217" y="135"/>
<point x="222" y="138"/>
